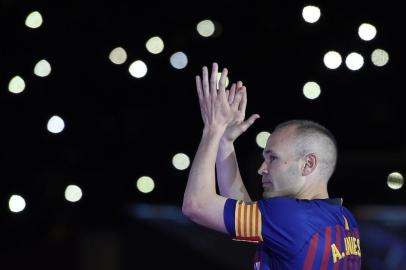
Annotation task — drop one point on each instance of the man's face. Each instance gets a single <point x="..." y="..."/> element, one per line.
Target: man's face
<point x="281" y="169"/>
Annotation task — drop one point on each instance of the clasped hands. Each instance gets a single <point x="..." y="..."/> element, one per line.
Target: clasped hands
<point x="223" y="108"/>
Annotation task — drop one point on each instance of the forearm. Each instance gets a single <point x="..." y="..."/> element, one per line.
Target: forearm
<point x="201" y="183"/>
<point x="228" y="173"/>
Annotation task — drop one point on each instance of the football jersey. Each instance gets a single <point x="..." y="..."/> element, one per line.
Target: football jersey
<point x="296" y="234"/>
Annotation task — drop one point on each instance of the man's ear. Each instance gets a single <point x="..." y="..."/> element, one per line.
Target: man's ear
<point x="310" y="164"/>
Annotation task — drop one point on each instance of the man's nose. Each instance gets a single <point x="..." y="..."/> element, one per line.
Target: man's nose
<point x="262" y="169"/>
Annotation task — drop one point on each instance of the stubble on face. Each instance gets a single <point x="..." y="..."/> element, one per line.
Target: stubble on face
<point x="285" y="181"/>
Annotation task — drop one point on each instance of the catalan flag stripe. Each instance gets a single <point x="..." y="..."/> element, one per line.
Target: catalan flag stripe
<point x="252" y="219"/>
<point x="237" y="218"/>
<point x="243" y="218"/>
<point x="255" y="219"/>
<point x="248" y="221"/>
<point x="259" y="224"/>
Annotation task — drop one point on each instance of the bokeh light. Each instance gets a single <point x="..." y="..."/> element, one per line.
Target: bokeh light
<point x="262" y="138"/>
<point x="145" y="184"/>
<point x="311" y="90"/>
<point x="155" y="45"/>
<point x="55" y="124"/>
<point x="367" y="31"/>
<point x="34" y="20"/>
<point x="138" y="69"/>
<point x="16" y="85"/>
<point x="206" y="28"/>
<point x="181" y="161"/>
<point x="311" y="14"/>
<point x="332" y="59"/>
<point x="73" y="193"/>
<point x="16" y="203"/>
<point x="42" y="68"/>
<point x="118" y="56"/>
<point x="379" y="57"/>
<point x="179" y="60"/>
<point x="395" y="180"/>
<point x="354" y="61"/>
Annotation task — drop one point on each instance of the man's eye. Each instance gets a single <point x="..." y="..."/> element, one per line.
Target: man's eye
<point x="269" y="158"/>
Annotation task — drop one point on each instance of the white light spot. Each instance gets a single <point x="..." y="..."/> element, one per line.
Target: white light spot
<point x="155" y="45"/>
<point x="42" y="68"/>
<point x="311" y="14"/>
<point x="118" y="56"/>
<point x="16" y="85"/>
<point x="332" y="59"/>
<point x="34" y="20"/>
<point x="138" y="69"/>
<point x="367" y="31"/>
<point x="55" y="124"/>
<point x="395" y="180"/>
<point x="379" y="57"/>
<point x="205" y="28"/>
<point x="218" y="80"/>
<point x="145" y="184"/>
<point x="311" y="90"/>
<point x="181" y="161"/>
<point x="262" y="138"/>
<point x="354" y="61"/>
<point x="16" y="203"/>
<point x="73" y="193"/>
<point x="179" y="60"/>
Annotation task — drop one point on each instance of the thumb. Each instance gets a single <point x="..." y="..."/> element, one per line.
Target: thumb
<point x="247" y="123"/>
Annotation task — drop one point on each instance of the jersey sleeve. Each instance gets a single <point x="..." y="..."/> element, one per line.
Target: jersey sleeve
<point x="243" y="220"/>
<point x="280" y="223"/>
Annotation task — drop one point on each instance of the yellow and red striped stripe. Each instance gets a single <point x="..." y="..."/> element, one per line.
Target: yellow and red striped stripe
<point x="248" y="221"/>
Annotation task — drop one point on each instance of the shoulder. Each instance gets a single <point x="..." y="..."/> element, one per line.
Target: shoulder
<point x="284" y="204"/>
<point x="285" y="210"/>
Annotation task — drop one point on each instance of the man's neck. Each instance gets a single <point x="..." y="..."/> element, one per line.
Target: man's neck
<point x="313" y="193"/>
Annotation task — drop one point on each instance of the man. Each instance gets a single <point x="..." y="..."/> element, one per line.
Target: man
<point x="296" y="225"/>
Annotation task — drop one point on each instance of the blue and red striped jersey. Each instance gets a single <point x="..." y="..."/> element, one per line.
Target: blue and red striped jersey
<point x="296" y="234"/>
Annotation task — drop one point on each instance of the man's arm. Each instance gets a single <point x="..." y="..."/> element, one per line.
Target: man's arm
<point x="200" y="201"/>
<point x="228" y="174"/>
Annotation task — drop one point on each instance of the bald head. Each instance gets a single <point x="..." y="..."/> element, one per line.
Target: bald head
<point x="311" y="137"/>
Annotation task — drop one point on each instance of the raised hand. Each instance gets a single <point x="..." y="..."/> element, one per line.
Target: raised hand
<point x="215" y="106"/>
<point x="207" y="91"/>
<point x="238" y="126"/>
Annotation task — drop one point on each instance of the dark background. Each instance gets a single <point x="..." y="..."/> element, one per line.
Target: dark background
<point x="119" y="128"/>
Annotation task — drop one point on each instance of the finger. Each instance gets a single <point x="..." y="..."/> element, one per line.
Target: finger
<point x="227" y="93"/>
<point x="222" y="82"/>
<point x="200" y="94"/>
<point x="247" y="123"/>
<point x="206" y="86"/>
<point x="232" y="94"/>
<point x="213" y="80"/>
<point x="199" y="88"/>
<point x="237" y="99"/>
<point x="239" y="84"/>
<point x="243" y="103"/>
